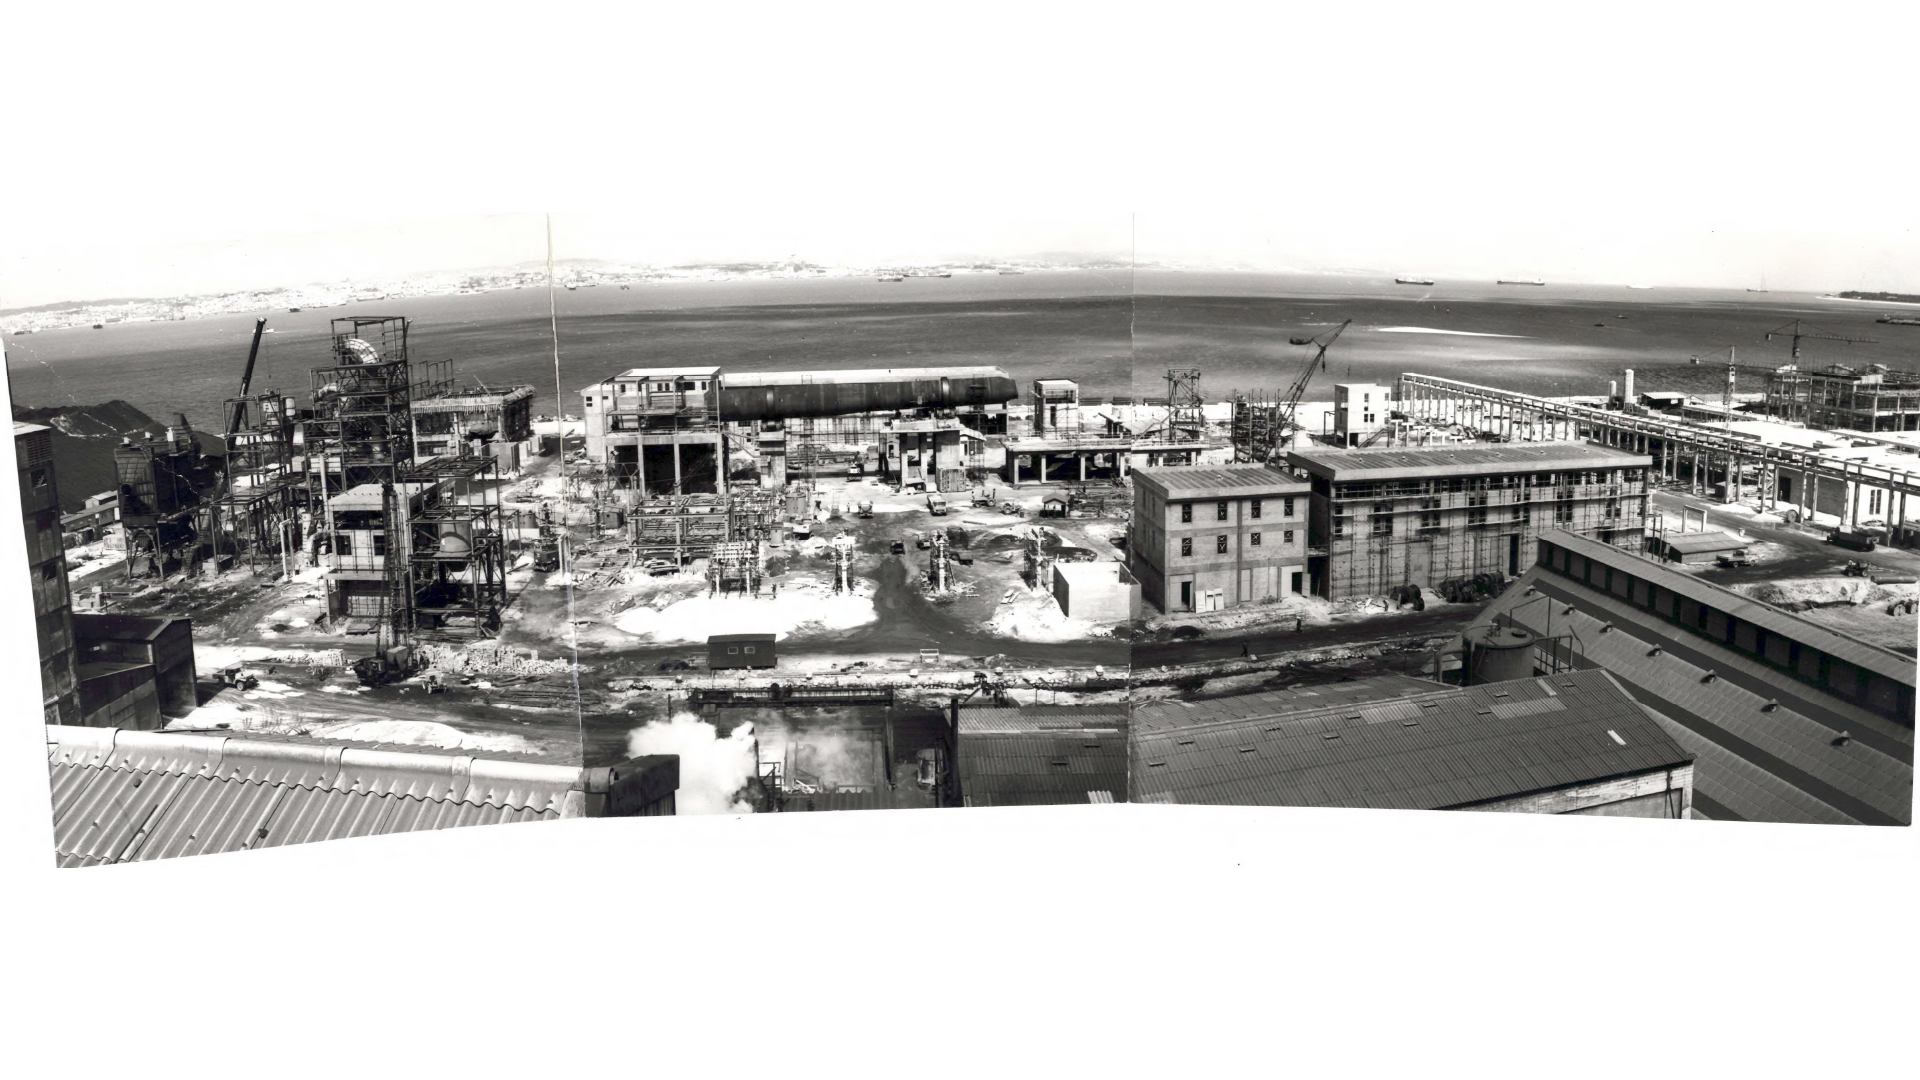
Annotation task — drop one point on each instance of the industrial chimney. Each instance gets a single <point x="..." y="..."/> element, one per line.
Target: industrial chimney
<point x="1626" y="392"/>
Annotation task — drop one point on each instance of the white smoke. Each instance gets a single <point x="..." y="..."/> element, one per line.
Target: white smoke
<point x="714" y="772"/>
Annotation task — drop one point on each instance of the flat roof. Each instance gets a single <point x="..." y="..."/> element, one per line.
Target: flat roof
<point x="109" y="627"/>
<point x="707" y="371"/>
<point x="1056" y="384"/>
<point x="1695" y="542"/>
<point x="1456" y="746"/>
<point x="724" y="638"/>
<point x="1774" y="620"/>
<point x="1389" y="462"/>
<point x="1196" y="481"/>
<point x="1092" y="573"/>
<point x="860" y="375"/>
<point x="368" y="497"/>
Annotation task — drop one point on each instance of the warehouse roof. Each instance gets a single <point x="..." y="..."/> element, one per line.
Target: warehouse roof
<point x="1043" y="768"/>
<point x="989" y="720"/>
<point x="1175" y="712"/>
<point x="130" y="796"/>
<point x="1450" y="748"/>
<point x="1873" y="658"/>
<point x="1394" y="463"/>
<point x="1195" y="482"/>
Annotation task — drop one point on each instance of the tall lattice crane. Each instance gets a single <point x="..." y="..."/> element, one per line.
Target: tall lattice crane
<point x="1285" y="424"/>
<point x="1799" y="330"/>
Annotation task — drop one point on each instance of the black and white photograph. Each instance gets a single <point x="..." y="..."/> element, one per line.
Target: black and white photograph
<point x="1343" y="420"/>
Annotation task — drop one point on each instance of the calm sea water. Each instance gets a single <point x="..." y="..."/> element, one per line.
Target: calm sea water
<point x="1115" y="332"/>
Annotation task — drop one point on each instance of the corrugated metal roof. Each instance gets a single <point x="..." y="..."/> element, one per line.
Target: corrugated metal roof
<point x="1884" y="662"/>
<point x="1437" y="750"/>
<point x="1151" y="715"/>
<point x="989" y="720"/>
<point x="1190" y="481"/>
<point x="1043" y="768"/>
<point x="1764" y="741"/>
<point x="1376" y="463"/>
<point x="126" y="796"/>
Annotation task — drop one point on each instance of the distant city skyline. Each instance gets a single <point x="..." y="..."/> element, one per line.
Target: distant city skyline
<point x="212" y="254"/>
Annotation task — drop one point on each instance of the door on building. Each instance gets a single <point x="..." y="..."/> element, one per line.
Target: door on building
<point x="1419" y="563"/>
<point x="1298" y="582"/>
<point x="1246" y="586"/>
<point x="1513" y="555"/>
<point x="1186" y="596"/>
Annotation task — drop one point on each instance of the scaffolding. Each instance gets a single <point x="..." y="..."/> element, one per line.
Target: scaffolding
<point x="841" y="552"/>
<point x="736" y="564"/>
<point x="456" y="551"/>
<point x="362" y="428"/>
<point x="1186" y="409"/>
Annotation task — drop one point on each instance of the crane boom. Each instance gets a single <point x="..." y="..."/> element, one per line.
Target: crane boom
<point x="1798" y="330"/>
<point x="1284" y="423"/>
<point x="239" y="415"/>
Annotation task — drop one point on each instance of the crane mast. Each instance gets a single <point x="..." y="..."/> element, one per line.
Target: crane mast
<point x="1284" y="422"/>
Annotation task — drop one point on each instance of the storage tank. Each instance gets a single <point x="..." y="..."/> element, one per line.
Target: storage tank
<point x="777" y="395"/>
<point x="1499" y="654"/>
<point x="456" y="539"/>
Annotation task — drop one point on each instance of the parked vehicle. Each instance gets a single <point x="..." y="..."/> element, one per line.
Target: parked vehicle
<point x="897" y="547"/>
<point x="1856" y="541"/>
<point x="1733" y="558"/>
<point x="936" y="506"/>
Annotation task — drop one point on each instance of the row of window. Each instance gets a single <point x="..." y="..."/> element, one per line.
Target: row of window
<point x="1220" y="543"/>
<point x="1523" y="481"/>
<point x="1254" y="507"/>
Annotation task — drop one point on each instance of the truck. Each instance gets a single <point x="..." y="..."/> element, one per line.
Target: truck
<point x="1855" y="541"/>
<point x="936" y="505"/>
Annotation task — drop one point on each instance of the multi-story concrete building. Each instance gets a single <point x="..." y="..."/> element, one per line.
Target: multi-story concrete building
<point x="1383" y="518"/>
<point x="1203" y="539"/>
<point x="47" y="567"/>
<point x="1877" y="399"/>
<point x="1360" y="411"/>
<point x="656" y="428"/>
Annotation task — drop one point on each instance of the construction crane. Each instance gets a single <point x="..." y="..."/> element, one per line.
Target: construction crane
<point x="1284" y="424"/>
<point x="239" y="414"/>
<point x="1798" y="330"/>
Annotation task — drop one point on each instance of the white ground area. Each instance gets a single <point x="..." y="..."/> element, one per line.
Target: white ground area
<point x="1850" y="590"/>
<point x="1036" y="617"/>
<point x="421" y="733"/>
<point x="1430" y="330"/>
<point x="209" y="658"/>
<point x="796" y="609"/>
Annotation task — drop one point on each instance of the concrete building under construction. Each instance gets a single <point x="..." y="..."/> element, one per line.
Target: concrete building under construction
<point x="1383" y="518"/>
<point x="1205" y="539"/>
<point x="1836" y="397"/>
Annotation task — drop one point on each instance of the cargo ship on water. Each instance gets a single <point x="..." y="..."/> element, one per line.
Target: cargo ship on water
<point x="1520" y="281"/>
<point x="1413" y="281"/>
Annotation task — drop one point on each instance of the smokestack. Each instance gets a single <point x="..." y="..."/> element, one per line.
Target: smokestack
<point x="1612" y="390"/>
<point x="1627" y="392"/>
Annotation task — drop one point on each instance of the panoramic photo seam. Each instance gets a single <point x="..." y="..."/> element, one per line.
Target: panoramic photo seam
<point x="961" y="526"/>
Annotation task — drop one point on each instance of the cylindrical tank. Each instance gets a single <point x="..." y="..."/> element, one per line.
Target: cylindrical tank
<point x="775" y="395"/>
<point x="456" y="538"/>
<point x="1499" y="654"/>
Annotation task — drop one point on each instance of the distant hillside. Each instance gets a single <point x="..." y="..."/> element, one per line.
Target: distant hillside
<point x="83" y="440"/>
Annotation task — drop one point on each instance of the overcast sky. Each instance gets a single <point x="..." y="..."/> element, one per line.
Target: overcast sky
<point x="1654" y="144"/>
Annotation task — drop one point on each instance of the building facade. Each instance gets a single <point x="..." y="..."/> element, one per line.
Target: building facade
<point x="1360" y="411"/>
<point x="1384" y="518"/>
<point x="1877" y="399"/>
<point x="1210" y="538"/>
<point x="658" y="429"/>
<point x="47" y="569"/>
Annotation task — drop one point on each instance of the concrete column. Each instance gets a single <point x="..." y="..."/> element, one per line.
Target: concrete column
<point x="1810" y="490"/>
<point x="1853" y="518"/>
<point x="1082" y="459"/>
<point x="1043" y="467"/>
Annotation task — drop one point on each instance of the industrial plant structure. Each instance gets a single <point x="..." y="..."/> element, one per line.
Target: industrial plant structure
<point x="1203" y="539"/>
<point x="1385" y="518"/>
<point x="47" y="572"/>
<point x="1841" y="398"/>
<point x="1790" y="721"/>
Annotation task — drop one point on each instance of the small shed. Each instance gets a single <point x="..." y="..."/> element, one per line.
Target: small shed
<point x="1053" y="506"/>
<point x="1698" y="547"/>
<point x="740" y="651"/>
